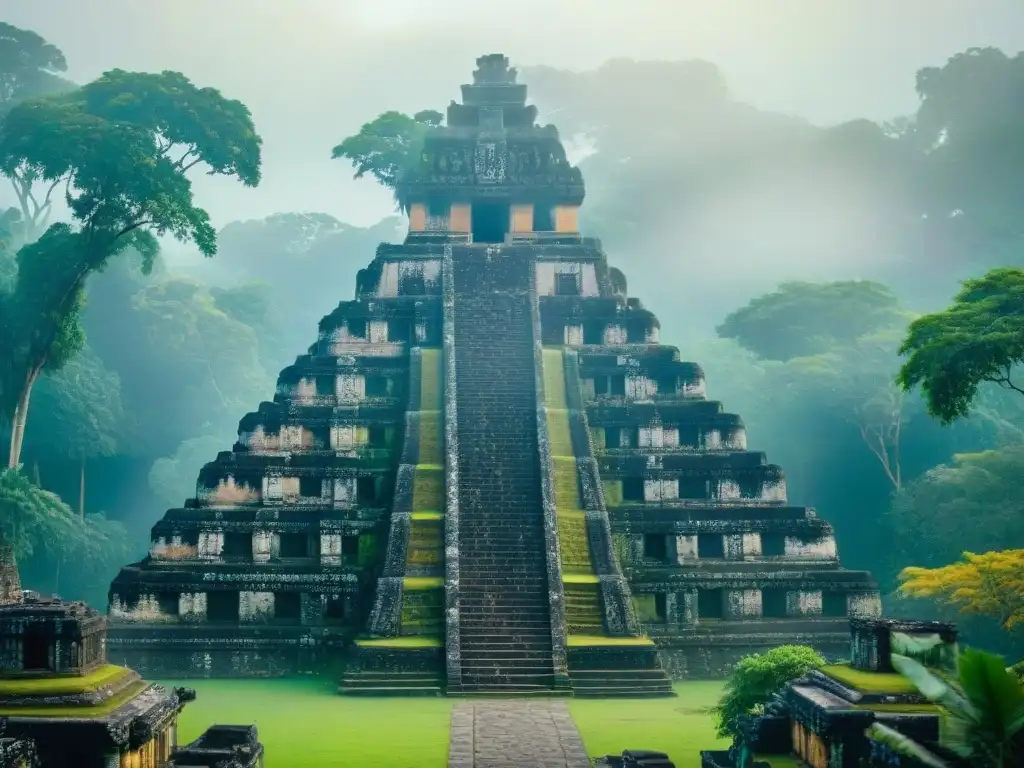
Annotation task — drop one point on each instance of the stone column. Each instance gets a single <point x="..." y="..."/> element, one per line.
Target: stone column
<point x="261" y="546"/>
<point x="312" y="608"/>
<point x="864" y="604"/>
<point x="803" y="603"/>
<point x="686" y="551"/>
<point x="742" y="604"/>
<point x="192" y="607"/>
<point x="255" y="607"/>
<point x="211" y="545"/>
<point x="330" y="549"/>
<point x="686" y="603"/>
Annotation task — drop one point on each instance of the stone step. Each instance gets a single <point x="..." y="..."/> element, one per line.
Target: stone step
<point x="385" y="691"/>
<point x="541" y="685"/>
<point x="391" y="681"/>
<point x="468" y="623"/>
<point x="530" y="656"/>
<point x="507" y="668"/>
<point x="506" y="602"/>
<point x="483" y="584"/>
<point x="618" y="675"/>
<point x="498" y="643"/>
<point x="613" y="692"/>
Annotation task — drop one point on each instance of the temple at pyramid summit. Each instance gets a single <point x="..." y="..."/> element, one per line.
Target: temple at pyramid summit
<point x="487" y="475"/>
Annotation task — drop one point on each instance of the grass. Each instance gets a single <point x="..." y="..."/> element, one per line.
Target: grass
<point x="581" y="578"/>
<point x="427" y="515"/>
<point x="306" y="724"/>
<point x="412" y="641"/>
<point x="780" y="761"/>
<point x="883" y="683"/>
<point x="679" y="727"/>
<point x="303" y="723"/>
<point x="99" y="710"/>
<point x="64" y="685"/>
<point x="413" y="583"/>
<point x="590" y="640"/>
<point x="902" y="709"/>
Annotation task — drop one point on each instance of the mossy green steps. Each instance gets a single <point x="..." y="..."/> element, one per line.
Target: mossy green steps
<point x="423" y="598"/>
<point x="583" y="609"/>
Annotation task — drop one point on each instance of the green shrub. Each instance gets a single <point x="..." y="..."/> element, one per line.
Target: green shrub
<point x="757" y="678"/>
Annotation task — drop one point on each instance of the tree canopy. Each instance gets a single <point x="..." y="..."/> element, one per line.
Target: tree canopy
<point x="978" y="339"/>
<point x="121" y="147"/>
<point x="29" y="66"/>
<point x="802" y="318"/>
<point x="385" y="146"/>
<point x="990" y="584"/>
<point x="758" y="677"/>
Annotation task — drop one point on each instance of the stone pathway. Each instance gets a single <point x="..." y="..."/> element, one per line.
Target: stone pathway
<point x="514" y="734"/>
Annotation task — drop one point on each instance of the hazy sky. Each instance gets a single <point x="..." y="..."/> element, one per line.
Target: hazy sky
<point x="314" y="70"/>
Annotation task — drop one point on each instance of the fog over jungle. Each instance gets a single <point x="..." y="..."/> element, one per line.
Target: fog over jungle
<point x="313" y="71"/>
<point x="727" y="146"/>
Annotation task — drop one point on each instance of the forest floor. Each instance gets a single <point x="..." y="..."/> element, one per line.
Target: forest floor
<point x="306" y="723"/>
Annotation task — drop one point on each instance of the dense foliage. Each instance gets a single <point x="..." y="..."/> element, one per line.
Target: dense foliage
<point x="758" y="677"/>
<point x="984" y="705"/>
<point x="811" y="249"/>
<point x="980" y="338"/>
<point x="991" y="584"/>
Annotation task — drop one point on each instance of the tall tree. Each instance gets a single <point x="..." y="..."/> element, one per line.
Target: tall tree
<point x="121" y="146"/>
<point x="29" y="67"/>
<point x="801" y="318"/>
<point x="385" y="146"/>
<point x="838" y="342"/>
<point x="928" y="519"/>
<point x="989" y="584"/>
<point x="984" y="706"/>
<point x="978" y="339"/>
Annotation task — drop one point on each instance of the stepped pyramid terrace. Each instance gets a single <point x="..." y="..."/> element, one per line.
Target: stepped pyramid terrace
<point x="487" y="474"/>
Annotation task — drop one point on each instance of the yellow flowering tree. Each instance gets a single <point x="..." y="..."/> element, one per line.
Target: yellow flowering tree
<point x="990" y="584"/>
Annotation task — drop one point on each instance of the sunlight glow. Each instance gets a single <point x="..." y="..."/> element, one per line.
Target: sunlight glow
<point x="388" y="14"/>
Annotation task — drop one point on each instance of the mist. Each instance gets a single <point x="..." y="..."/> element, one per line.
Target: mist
<point x="727" y="147"/>
<point x="313" y="71"/>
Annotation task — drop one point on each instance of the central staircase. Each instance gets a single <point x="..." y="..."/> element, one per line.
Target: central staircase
<point x="504" y="609"/>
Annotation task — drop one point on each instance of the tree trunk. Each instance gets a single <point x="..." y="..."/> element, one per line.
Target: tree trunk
<point x="37" y="478"/>
<point x="81" y="490"/>
<point x="20" y="417"/>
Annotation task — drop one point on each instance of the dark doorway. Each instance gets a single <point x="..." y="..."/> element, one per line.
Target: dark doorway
<point x="567" y="284"/>
<point x="656" y="547"/>
<point x="710" y="545"/>
<point x="294" y="545"/>
<point x="774" y="604"/>
<point x="710" y="604"/>
<point x="543" y="218"/>
<point x="237" y="545"/>
<point x="366" y="490"/>
<point x="490" y="222"/>
<point x="632" y="489"/>
<point x="288" y="606"/>
<point x="35" y="647"/>
<point x="593" y="333"/>
<point x="833" y="604"/>
<point x="222" y="607"/>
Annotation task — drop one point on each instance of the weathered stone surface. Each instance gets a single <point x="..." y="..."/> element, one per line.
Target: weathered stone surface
<point x="370" y="498"/>
<point x="514" y="734"/>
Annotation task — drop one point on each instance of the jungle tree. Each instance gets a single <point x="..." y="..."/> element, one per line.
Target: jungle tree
<point x="29" y="67"/>
<point x="121" y="148"/>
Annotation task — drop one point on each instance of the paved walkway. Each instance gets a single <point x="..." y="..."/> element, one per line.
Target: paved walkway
<point x="514" y="734"/>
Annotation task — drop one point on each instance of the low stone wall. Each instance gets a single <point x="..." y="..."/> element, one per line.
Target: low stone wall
<point x="166" y="664"/>
<point x="716" y="662"/>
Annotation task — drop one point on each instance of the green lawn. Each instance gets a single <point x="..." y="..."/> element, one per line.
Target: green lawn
<point x="679" y="727"/>
<point x="305" y="723"/>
